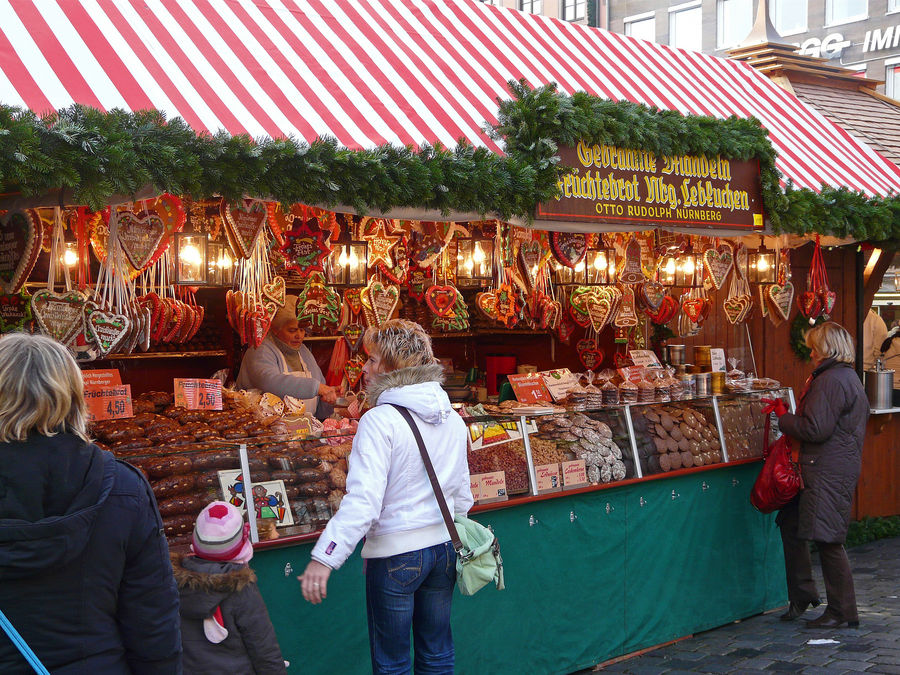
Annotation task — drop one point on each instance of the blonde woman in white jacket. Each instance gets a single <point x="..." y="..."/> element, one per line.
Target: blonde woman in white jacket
<point x="410" y="562"/>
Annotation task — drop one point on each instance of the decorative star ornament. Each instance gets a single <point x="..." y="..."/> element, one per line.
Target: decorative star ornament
<point x="380" y="245"/>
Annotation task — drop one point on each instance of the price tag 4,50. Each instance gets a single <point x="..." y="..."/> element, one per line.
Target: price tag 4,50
<point x="195" y="394"/>
<point x="108" y="403"/>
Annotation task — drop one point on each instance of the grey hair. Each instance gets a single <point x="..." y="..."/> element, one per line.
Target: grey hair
<point x="41" y="390"/>
<point x="401" y="344"/>
<point x="832" y="341"/>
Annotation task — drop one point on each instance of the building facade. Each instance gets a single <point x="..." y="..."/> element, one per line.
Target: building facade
<point x="589" y="12"/>
<point x="862" y="35"/>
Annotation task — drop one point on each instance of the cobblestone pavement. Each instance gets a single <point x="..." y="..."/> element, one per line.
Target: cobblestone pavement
<point x="763" y="643"/>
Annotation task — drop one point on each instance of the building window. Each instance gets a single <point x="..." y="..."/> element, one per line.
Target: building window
<point x="686" y="26"/>
<point x="892" y="81"/>
<point x="734" y="19"/>
<point x="845" y="11"/>
<point x="532" y="6"/>
<point x="893" y="5"/>
<point x="642" y="26"/>
<point x="492" y="3"/>
<point x="789" y="16"/>
<point x="574" y="10"/>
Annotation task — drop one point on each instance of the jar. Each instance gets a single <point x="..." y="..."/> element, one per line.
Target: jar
<point x="717" y="381"/>
<point x="687" y="382"/>
<point x="704" y="383"/>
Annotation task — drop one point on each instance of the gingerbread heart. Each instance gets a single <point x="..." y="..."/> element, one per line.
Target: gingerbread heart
<point x="530" y="255"/>
<point x="440" y="299"/>
<point x="693" y="307"/>
<point x="569" y="248"/>
<point x="600" y="313"/>
<point x="652" y="294"/>
<point x="591" y="359"/>
<point x="353" y="335"/>
<point x="550" y="314"/>
<point x="734" y="309"/>
<point x="353" y="370"/>
<point x="275" y="291"/>
<point x="59" y="315"/>
<point x="810" y="305"/>
<point x="486" y="302"/>
<point x="507" y="309"/>
<point x="565" y="329"/>
<point x="827" y="299"/>
<point x="244" y="221"/>
<point x="718" y="263"/>
<point x="15" y="311"/>
<point x="417" y="280"/>
<point x="107" y="329"/>
<point x="353" y="300"/>
<point x="20" y="245"/>
<point x="382" y="300"/>
<point x="782" y="296"/>
<point x="667" y="311"/>
<point x="141" y="235"/>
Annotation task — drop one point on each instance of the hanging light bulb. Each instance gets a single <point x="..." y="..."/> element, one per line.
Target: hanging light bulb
<point x="226" y="262"/>
<point x="689" y="267"/>
<point x="670" y="267"/>
<point x="469" y="265"/>
<point x="343" y="261"/>
<point x="599" y="261"/>
<point x="580" y="267"/>
<point x="478" y="255"/>
<point x="763" y="264"/>
<point x="69" y="258"/>
<point x="353" y="260"/>
<point x="190" y="254"/>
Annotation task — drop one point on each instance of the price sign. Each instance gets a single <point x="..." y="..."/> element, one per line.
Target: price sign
<point x="101" y="377"/>
<point x="195" y="394"/>
<point x="574" y="474"/>
<point x="493" y="486"/>
<point x="475" y="486"/>
<point x="108" y="403"/>
<point x="645" y="358"/>
<point x="559" y="382"/>
<point x="530" y="388"/>
<point x="548" y="478"/>
<point x="717" y="359"/>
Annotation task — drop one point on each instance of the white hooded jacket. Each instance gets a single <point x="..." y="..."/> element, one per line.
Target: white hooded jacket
<point x="389" y="498"/>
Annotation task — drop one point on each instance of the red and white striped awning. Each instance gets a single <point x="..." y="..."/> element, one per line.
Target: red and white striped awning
<point x="374" y="71"/>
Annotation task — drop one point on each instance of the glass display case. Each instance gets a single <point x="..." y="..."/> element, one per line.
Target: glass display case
<point x="291" y="488"/>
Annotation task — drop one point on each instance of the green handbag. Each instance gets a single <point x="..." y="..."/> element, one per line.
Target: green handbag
<point x="478" y="560"/>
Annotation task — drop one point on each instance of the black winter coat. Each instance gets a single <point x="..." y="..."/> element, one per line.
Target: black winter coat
<point x="830" y="425"/>
<point x="84" y="567"/>
<point x="251" y="645"/>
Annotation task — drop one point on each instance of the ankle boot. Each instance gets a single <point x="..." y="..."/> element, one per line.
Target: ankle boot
<point x="796" y="609"/>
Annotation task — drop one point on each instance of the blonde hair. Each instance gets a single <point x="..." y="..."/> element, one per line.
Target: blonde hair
<point x="401" y="344"/>
<point x="832" y="341"/>
<point x="41" y="390"/>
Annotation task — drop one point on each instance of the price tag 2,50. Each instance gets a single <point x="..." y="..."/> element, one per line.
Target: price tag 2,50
<point x="108" y="403"/>
<point x="195" y="394"/>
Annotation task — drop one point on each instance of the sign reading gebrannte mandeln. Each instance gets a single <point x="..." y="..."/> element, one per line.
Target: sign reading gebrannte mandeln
<point x="607" y="184"/>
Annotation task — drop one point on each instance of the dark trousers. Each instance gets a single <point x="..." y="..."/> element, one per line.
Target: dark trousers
<point x="839" y="589"/>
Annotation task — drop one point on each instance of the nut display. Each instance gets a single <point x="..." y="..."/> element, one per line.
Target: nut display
<point x="675" y="436"/>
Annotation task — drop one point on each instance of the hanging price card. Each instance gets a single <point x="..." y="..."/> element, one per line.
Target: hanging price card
<point x="108" y="403"/>
<point x="548" y="478"/>
<point x="574" y="474"/>
<point x="195" y="394"/>
<point x="101" y="377"/>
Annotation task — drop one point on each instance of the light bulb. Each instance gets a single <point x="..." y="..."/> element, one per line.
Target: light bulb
<point x="689" y="266"/>
<point x="763" y="264"/>
<point x="580" y="267"/>
<point x="225" y="263"/>
<point x="599" y="262"/>
<point x="353" y="261"/>
<point x="611" y="270"/>
<point x="670" y="266"/>
<point x="342" y="258"/>
<point x="69" y="258"/>
<point x="478" y="255"/>
<point x="190" y="254"/>
<point x="469" y="265"/>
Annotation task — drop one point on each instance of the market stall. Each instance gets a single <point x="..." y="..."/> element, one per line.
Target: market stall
<point x="603" y="322"/>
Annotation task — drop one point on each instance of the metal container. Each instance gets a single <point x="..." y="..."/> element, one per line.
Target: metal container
<point x="704" y="381"/>
<point x="718" y="382"/>
<point x="687" y="382"/>
<point x="880" y="387"/>
<point x="675" y="354"/>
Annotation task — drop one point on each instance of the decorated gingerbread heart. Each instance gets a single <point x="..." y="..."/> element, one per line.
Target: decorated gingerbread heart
<point x="244" y="221"/>
<point x="382" y="300"/>
<point x="440" y="299"/>
<point x="353" y="300"/>
<point x="569" y="248"/>
<point x="15" y="311"/>
<point x="591" y="359"/>
<point x="275" y="291"/>
<point x="353" y="370"/>
<point x="809" y="304"/>
<point x="417" y="280"/>
<point x="718" y="263"/>
<point x="486" y="302"/>
<point x="652" y="294"/>
<point x="782" y="296"/>
<point x="59" y="315"/>
<point x="530" y="255"/>
<point x="827" y="298"/>
<point x="600" y="313"/>
<point x="20" y="246"/>
<point x="550" y="314"/>
<point x="144" y="234"/>
<point x="107" y="329"/>
<point x="353" y="336"/>
<point x="693" y="308"/>
<point x="734" y="309"/>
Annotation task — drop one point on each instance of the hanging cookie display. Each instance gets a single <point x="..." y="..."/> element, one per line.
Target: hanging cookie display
<point x="353" y="300"/>
<point x="780" y="294"/>
<point x="530" y="258"/>
<point x="569" y="248"/>
<point x="380" y="245"/>
<point x="632" y="271"/>
<point x="318" y="305"/>
<point x="306" y="247"/>
<point x="818" y="299"/>
<point x="718" y="262"/>
<point x="626" y="316"/>
<point x="353" y="370"/>
<point x="353" y="335"/>
<point x="399" y="269"/>
<point x="244" y="220"/>
<point x="456" y="319"/>
<point x="21" y="233"/>
<point x="15" y="311"/>
<point x="380" y="302"/>
<point x="146" y="228"/>
<point x="441" y="299"/>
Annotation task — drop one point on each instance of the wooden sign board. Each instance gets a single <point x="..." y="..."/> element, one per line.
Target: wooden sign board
<point x="196" y="394"/>
<point x="108" y="402"/>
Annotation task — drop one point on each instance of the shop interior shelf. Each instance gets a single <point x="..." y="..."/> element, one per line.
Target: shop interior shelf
<point x="165" y="355"/>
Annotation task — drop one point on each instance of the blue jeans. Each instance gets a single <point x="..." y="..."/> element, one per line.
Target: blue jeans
<point x="411" y="590"/>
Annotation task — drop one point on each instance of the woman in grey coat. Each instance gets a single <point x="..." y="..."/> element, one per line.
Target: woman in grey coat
<point x="828" y="429"/>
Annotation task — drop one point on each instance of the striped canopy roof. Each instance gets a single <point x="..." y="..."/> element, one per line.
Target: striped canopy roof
<point x="375" y="71"/>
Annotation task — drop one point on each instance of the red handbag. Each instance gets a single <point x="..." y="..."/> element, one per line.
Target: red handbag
<point x="779" y="481"/>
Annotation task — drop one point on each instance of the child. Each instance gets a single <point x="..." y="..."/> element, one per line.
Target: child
<point x="225" y="627"/>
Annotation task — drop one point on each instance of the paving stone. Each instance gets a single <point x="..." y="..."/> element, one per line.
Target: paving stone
<point x="855" y="666"/>
<point x="786" y="667"/>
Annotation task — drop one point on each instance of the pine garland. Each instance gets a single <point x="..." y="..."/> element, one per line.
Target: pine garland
<point x="94" y="156"/>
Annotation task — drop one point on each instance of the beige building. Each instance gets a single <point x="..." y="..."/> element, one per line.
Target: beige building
<point x="591" y="12"/>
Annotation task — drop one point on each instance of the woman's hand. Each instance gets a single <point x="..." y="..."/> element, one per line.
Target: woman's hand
<point x="314" y="582"/>
<point x="328" y="394"/>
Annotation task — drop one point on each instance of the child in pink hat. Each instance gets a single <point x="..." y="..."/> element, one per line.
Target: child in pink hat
<point x="225" y="626"/>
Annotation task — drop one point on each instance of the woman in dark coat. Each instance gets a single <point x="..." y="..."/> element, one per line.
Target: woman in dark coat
<point x="828" y="430"/>
<point x="84" y="567"/>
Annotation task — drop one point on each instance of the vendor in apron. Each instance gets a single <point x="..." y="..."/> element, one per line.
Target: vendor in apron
<point x="282" y="366"/>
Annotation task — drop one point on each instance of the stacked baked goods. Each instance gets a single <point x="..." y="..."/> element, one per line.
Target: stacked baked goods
<point x="584" y="437"/>
<point x="671" y="437"/>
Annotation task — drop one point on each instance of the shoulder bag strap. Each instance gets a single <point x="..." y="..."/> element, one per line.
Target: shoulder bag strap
<point x="429" y="469"/>
<point x="22" y="646"/>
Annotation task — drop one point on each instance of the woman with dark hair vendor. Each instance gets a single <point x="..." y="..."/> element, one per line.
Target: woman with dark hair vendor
<point x="282" y="366"/>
